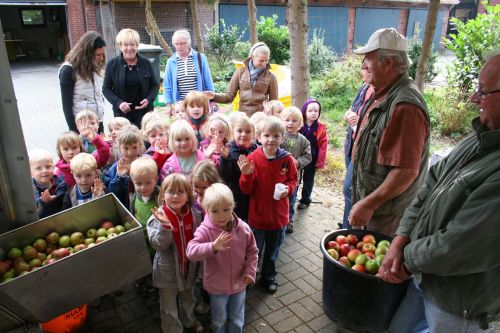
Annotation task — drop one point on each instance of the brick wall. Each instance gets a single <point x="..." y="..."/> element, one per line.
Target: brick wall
<point x="403" y="21"/>
<point x="481" y="7"/>
<point x="81" y="18"/>
<point x="351" y="29"/>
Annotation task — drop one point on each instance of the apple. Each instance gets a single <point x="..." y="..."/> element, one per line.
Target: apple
<point x="359" y="268"/>
<point x="353" y="239"/>
<point x="52" y="238"/>
<point x="372" y="266"/>
<point x="15" y="253"/>
<point x="64" y="241"/>
<point x="59" y="253"/>
<point x="370" y="255"/>
<point x="100" y="240"/>
<point x="353" y="254"/>
<point x="77" y="238"/>
<point x="361" y="259"/>
<point x="369" y="238"/>
<point x="384" y="242"/>
<point x="128" y="225"/>
<point x="4" y="267"/>
<point x="344" y="249"/>
<point x="50" y="261"/>
<point x="29" y="252"/>
<point x="91" y="233"/>
<point x="112" y="230"/>
<point x="10" y="274"/>
<point x="102" y="232"/>
<point x="80" y="247"/>
<point x="379" y="258"/>
<point x="368" y="247"/>
<point x="112" y="234"/>
<point x="381" y="250"/>
<point x="333" y="245"/>
<point x="341" y="239"/>
<point x="359" y="245"/>
<point x="42" y="256"/>
<point x="21" y="266"/>
<point x="70" y="249"/>
<point x="120" y="229"/>
<point x="333" y="253"/>
<point x="35" y="263"/>
<point x="40" y="245"/>
<point x="345" y="261"/>
<point x="89" y="241"/>
<point x="107" y="224"/>
<point x="51" y="248"/>
<point x="91" y="245"/>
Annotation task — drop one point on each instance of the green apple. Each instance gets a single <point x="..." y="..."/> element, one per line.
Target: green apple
<point x="102" y="232"/>
<point x="64" y="241"/>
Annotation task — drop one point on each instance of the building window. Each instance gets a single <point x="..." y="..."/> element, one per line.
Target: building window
<point x="32" y="17"/>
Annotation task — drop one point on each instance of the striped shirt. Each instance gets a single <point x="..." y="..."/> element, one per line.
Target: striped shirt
<point x="186" y="76"/>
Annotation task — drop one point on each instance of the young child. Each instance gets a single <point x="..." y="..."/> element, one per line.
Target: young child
<point x="88" y="185"/>
<point x="315" y="132"/>
<point x="257" y="118"/>
<point x="115" y="125"/>
<point x="144" y="176"/>
<point x="182" y="142"/>
<point x="49" y="189"/>
<point x="179" y="110"/>
<point x="156" y="133"/>
<point x="69" y="144"/>
<point x="273" y="107"/>
<point x="86" y="121"/>
<point x="170" y="229"/>
<point x="117" y="180"/>
<point x="266" y="167"/>
<point x="227" y="247"/>
<point x="149" y="116"/>
<point x="196" y="106"/>
<point x="243" y="134"/>
<point x="218" y="134"/>
<point x="297" y="145"/>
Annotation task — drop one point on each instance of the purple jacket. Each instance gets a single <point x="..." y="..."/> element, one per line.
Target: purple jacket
<point x="224" y="271"/>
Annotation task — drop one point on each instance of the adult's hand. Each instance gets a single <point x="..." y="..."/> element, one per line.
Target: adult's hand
<point x="361" y="213"/>
<point x="144" y="104"/>
<point x="125" y="107"/>
<point x="209" y="94"/>
<point x="392" y="269"/>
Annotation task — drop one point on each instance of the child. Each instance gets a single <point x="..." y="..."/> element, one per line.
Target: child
<point x="218" y="134"/>
<point x="196" y="106"/>
<point x="315" y="132"/>
<point x="88" y="185"/>
<point x="266" y="167"/>
<point x="170" y="229"/>
<point x="49" y="189"/>
<point x="86" y="121"/>
<point x="144" y="176"/>
<point x="117" y="180"/>
<point x="204" y="174"/>
<point x="227" y="247"/>
<point x="115" y="125"/>
<point x="273" y="107"/>
<point x="257" y="118"/>
<point x="69" y="144"/>
<point x="149" y="116"/>
<point x="182" y="142"/>
<point x="156" y="133"/>
<point x="243" y="134"/>
<point x="179" y="110"/>
<point x="297" y="145"/>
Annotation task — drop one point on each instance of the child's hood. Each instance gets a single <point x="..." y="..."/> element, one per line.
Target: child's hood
<point x="304" y="108"/>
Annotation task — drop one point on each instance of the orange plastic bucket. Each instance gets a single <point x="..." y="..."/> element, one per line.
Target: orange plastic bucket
<point x="68" y="322"/>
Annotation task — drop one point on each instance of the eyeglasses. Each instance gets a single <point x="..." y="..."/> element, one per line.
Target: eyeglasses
<point x="483" y="94"/>
<point x="179" y="194"/>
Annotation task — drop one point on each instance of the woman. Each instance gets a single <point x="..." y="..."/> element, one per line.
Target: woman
<point x="80" y="77"/>
<point x="254" y="81"/>
<point x="130" y="84"/>
<point x="186" y="70"/>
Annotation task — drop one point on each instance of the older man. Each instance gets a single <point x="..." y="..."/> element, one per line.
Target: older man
<point x="390" y="150"/>
<point x="448" y="237"/>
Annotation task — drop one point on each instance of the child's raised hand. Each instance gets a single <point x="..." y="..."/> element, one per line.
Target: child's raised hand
<point x="47" y="197"/>
<point x="85" y="129"/>
<point x="98" y="188"/>
<point x="247" y="280"/>
<point x="211" y="148"/>
<point x="223" y="149"/>
<point x="122" y="167"/>
<point x="162" y="217"/>
<point x="246" y="167"/>
<point x="161" y="146"/>
<point x="222" y="242"/>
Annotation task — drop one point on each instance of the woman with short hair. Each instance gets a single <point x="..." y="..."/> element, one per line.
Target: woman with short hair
<point x="186" y="70"/>
<point x="254" y="81"/>
<point x="130" y="84"/>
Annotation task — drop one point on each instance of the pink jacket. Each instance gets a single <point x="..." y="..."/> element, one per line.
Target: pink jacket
<point x="172" y="164"/>
<point x="224" y="271"/>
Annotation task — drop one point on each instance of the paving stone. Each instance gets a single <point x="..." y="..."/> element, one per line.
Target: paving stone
<point x="297" y="273"/>
<point x="139" y="308"/>
<point x="303" y="329"/>
<point x="317" y="296"/>
<point x="292" y="297"/>
<point x="311" y="306"/>
<point x="289" y="324"/>
<point x="308" y="265"/>
<point x="313" y="281"/>
<point x="125" y="313"/>
<point x="319" y="322"/>
<point x="300" y="253"/>
<point x="301" y="312"/>
<point x="251" y="315"/>
<point x="289" y="267"/>
<point x="152" y="329"/>
<point x="278" y="316"/>
<point x="95" y="316"/>
<point x="285" y="289"/>
<point x="262" y="326"/>
<point x="304" y="286"/>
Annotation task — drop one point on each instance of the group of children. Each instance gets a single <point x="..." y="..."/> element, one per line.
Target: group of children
<point x="205" y="187"/>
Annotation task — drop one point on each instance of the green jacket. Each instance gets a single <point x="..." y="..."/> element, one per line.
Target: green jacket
<point x="368" y="175"/>
<point x="453" y="225"/>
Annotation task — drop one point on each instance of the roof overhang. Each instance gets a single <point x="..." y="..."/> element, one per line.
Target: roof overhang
<point x="33" y="3"/>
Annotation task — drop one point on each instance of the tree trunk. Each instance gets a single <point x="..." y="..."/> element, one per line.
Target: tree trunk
<point x="196" y="26"/>
<point x="216" y="12"/>
<point x="430" y="27"/>
<point x="299" y="65"/>
<point x="155" y="31"/>
<point x="252" y="21"/>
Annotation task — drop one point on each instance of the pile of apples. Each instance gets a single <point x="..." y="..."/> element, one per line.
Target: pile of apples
<point x="44" y="252"/>
<point x="364" y="256"/>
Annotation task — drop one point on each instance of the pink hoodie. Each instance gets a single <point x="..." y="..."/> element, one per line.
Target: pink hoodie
<point x="224" y="271"/>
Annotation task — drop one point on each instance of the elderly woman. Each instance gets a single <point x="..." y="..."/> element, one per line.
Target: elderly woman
<point x="130" y="84"/>
<point x="254" y="81"/>
<point x="80" y="77"/>
<point x="186" y="70"/>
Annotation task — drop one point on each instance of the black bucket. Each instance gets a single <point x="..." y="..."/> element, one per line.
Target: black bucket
<point x="356" y="301"/>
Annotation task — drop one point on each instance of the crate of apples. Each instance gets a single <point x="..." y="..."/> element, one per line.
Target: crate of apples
<point x="364" y="255"/>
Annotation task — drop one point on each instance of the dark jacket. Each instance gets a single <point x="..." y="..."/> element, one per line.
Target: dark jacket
<point x="55" y="206"/>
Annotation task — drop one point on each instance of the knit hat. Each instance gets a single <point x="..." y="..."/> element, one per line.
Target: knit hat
<point x="306" y="103"/>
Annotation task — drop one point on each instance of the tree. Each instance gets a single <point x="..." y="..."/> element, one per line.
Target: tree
<point x="155" y="31"/>
<point x="196" y="26"/>
<point x="299" y="66"/>
<point x="252" y="21"/>
<point x="430" y="28"/>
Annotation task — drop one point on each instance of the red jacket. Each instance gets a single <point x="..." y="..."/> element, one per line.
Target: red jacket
<point x="265" y="213"/>
<point x="322" y="138"/>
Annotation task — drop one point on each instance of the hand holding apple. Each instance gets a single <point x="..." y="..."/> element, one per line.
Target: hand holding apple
<point x="392" y="269"/>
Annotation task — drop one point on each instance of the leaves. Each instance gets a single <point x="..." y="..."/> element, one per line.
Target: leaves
<point x="276" y="38"/>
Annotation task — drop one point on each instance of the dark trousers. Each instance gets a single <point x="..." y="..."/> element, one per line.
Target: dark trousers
<point x="270" y="242"/>
<point x="134" y="116"/>
<point x="347" y="190"/>
<point x="307" y="175"/>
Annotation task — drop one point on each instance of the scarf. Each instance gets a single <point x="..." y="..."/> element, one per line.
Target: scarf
<point x="182" y="231"/>
<point x="197" y="124"/>
<point x="254" y="72"/>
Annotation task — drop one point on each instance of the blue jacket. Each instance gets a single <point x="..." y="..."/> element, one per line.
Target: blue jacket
<point x="55" y="206"/>
<point x="119" y="185"/>
<point x="170" y="83"/>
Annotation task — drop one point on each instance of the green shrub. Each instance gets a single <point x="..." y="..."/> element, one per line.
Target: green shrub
<point x="222" y="44"/>
<point x="241" y="50"/>
<point x="321" y="56"/>
<point x="277" y="38"/>
<point x="414" y="50"/>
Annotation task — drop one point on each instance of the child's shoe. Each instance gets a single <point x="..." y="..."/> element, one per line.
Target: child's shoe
<point x="197" y="327"/>
<point x="201" y="309"/>
<point x="302" y="205"/>
<point x="289" y="228"/>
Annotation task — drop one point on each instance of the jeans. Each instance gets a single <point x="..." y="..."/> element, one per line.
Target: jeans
<point x="228" y="312"/>
<point x="347" y="190"/>
<point x="291" y="200"/>
<point x="417" y="315"/>
<point x="307" y="174"/>
<point x="270" y="242"/>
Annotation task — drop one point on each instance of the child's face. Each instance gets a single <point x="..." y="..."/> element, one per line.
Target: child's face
<point x="130" y="151"/>
<point x="69" y="151"/>
<point x="179" y="114"/>
<point x="183" y="146"/>
<point x="292" y="124"/>
<point x="312" y="112"/>
<point x="114" y="130"/>
<point x="195" y="111"/>
<point x="243" y="135"/>
<point x="156" y="135"/>
<point x="277" y="111"/>
<point x="145" y="184"/>
<point x="221" y="214"/>
<point x="85" y="179"/>
<point x="217" y="130"/>
<point x="175" y="200"/>
<point x="93" y="123"/>
<point x="270" y="141"/>
<point x="42" y="171"/>
<point x="199" y="187"/>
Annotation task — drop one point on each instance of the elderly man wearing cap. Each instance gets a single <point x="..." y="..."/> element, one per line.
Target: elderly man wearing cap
<point x="391" y="146"/>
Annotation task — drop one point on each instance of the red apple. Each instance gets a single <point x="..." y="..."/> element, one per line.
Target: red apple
<point x="345" y="261"/>
<point x="370" y="255"/>
<point x="368" y="247"/>
<point x="353" y="239"/>
<point x="333" y="245"/>
<point x="344" y="250"/>
<point x="369" y="238"/>
<point x="341" y="239"/>
<point x="359" y="268"/>
<point x="107" y="224"/>
<point x="359" y="246"/>
<point x="353" y="254"/>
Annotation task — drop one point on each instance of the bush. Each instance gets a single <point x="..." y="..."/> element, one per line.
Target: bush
<point x="222" y="44"/>
<point x="241" y="50"/>
<point x="321" y="57"/>
<point x="277" y="38"/>
<point x="414" y="50"/>
<point x="470" y="44"/>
